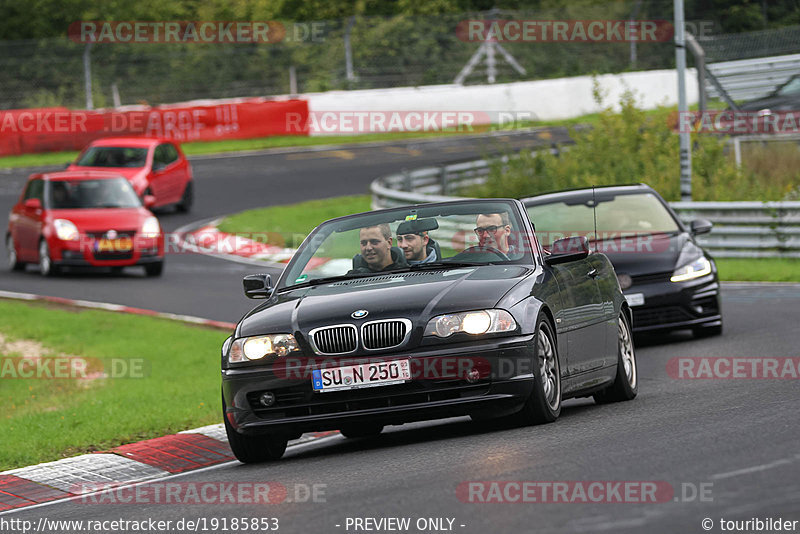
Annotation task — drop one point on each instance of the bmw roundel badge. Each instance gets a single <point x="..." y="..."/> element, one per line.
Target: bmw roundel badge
<point x="359" y="314"/>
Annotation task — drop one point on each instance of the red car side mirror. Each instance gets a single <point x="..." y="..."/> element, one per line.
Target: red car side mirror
<point x="149" y="201"/>
<point x="33" y="203"/>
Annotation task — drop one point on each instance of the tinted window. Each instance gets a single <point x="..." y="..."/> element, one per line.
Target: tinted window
<point x="165" y="155"/>
<point x="35" y="189"/>
<point x="640" y="213"/>
<point x="82" y="194"/>
<point x="171" y="152"/>
<point x="112" y="156"/>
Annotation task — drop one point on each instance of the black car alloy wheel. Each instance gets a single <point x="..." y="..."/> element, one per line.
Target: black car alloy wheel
<point x="544" y="403"/>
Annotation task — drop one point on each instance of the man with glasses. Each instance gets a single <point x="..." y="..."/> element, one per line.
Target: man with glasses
<point x="493" y="230"/>
<point x="377" y="252"/>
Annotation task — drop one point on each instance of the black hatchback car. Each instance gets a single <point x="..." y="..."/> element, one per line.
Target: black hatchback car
<point x="354" y="337"/>
<point x="669" y="280"/>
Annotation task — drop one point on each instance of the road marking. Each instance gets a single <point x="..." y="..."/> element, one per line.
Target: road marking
<point x="457" y="148"/>
<point x="402" y="150"/>
<point x="341" y="154"/>
<point x="754" y="469"/>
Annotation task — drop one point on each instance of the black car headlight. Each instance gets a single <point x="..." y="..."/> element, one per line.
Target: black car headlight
<point x="694" y="269"/>
<point x="471" y="322"/>
<point x="254" y="348"/>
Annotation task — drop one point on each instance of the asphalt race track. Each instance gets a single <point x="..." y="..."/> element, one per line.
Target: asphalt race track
<point x="727" y="447"/>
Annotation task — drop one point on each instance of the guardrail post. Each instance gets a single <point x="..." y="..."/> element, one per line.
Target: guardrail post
<point x="408" y="184"/>
<point x="443" y="179"/>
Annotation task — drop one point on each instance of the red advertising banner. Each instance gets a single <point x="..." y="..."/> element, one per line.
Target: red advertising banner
<point x="24" y="131"/>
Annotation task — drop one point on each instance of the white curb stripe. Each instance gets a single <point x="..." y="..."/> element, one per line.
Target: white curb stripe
<point x="82" y="474"/>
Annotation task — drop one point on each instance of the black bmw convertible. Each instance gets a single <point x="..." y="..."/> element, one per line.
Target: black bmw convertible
<point x="357" y="333"/>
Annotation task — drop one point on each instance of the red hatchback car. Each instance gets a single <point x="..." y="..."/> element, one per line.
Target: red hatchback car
<point x="154" y="167"/>
<point x="86" y="218"/>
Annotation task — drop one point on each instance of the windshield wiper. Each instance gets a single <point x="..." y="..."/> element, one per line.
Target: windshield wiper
<point x="330" y="280"/>
<point x="453" y="264"/>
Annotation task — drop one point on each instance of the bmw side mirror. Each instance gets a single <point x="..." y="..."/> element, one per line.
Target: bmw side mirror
<point x="149" y="201"/>
<point x="568" y="249"/>
<point x="701" y="226"/>
<point x="257" y="286"/>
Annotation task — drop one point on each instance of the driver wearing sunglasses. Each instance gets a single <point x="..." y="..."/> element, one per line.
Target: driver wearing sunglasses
<point x="493" y="230"/>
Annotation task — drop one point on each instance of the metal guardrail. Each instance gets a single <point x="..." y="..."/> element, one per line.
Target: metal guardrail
<point x="741" y="229"/>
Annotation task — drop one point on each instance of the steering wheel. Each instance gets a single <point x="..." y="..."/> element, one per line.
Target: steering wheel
<point x="485" y="248"/>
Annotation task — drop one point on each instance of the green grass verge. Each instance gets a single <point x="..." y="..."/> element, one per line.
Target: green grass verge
<point x="48" y="419"/>
<point x="759" y="270"/>
<point x="289" y="225"/>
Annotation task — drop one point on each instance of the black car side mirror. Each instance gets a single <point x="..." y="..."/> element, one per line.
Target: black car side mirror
<point x="257" y="286"/>
<point x="568" y="249"/>
<point x="701" y="226"/>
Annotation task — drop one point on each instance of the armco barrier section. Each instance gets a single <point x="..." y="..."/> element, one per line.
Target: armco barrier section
<point x="49" y="129"/>
<point x="741" y="229"/>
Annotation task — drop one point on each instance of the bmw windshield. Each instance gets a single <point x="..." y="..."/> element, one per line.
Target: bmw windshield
<point x="470" y="233"/>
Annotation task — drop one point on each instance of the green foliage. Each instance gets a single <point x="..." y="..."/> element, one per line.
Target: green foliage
<point x="633" y="146"/>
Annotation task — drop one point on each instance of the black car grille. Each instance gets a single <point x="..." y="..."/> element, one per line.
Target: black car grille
<point x="652" y="277"/>
<point x="302" y="401"/>
<point x="335" y="339"/>
<point x="659" y="316"/>
<point x="113" y="255"/>
<point x="383" y="334"/>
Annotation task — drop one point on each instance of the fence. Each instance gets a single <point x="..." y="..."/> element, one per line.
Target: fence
<point x="350" y="53"/>
<point x="741" y="229"/>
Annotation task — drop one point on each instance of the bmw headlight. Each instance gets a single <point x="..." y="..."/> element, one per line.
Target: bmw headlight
<point x="695" y="269"/>
<point x="254" y="348"/>
<point x="66" y="230"/>
<point x="472" y="322"/>
<point x="150" y="227"/>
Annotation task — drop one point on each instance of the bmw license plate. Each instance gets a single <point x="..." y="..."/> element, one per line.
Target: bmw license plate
<point x="635" y="299"/>
<point x="363" y="375"/>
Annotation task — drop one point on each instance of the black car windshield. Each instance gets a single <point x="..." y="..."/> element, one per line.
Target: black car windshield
<point x="113" y="156"/>
<point x="621" y="216"/>
<point x="457" y="235"/>
<point x="88" y="194"/>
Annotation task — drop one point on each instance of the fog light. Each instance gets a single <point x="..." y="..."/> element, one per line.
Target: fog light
<point x="267" y="399"/>
<point x="473" y="375"/>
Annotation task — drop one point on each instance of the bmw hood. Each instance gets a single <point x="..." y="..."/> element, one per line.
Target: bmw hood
<point x="417" y="296"/>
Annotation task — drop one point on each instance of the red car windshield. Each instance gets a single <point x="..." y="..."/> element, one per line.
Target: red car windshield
<point x="113" y="156"/>
<point x="88" y="194"/>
